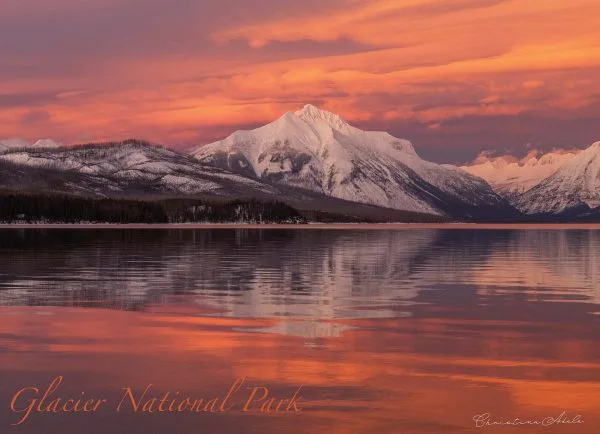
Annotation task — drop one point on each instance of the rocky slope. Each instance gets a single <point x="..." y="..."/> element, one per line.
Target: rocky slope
<point x="319" y="151"/>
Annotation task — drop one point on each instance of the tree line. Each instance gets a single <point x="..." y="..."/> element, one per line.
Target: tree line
<point x="49" y="208"/>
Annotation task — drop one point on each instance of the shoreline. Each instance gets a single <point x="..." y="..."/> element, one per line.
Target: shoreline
<point x="307" y="226"/>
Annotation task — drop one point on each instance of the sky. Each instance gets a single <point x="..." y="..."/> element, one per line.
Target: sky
<point x="453" y="76"/>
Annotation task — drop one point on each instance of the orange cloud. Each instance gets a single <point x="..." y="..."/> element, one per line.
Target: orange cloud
<point x="416" y="61"/>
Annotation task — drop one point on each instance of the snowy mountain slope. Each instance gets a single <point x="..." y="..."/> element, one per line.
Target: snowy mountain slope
<point x="137" y="169"/>
<point x="11" y="144"/>
<point x="6" y="144"/>
<point x="46" y="144"/>
<point x="575" y="185"/>
<point x="510" y="176"/>
<point x="127" y="167"/>
<point x="318" y="151"/>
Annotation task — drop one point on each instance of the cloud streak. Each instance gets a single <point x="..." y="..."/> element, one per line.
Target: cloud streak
<point x="465" y="75"/>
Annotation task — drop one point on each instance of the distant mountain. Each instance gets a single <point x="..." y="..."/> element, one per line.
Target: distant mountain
<point x="561" y="185"/>
<point x="317" y="150"/>
<point x="11" y="144"/>
<point x="47" y="143"/>
<point x="511" y="177"/>
<point x="118" y="169"/>
<point x="574" y="189"/>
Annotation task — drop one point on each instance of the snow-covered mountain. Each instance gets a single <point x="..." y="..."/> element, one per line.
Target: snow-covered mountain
<point x="47" y="144"/>
<point x="574" y="186"/>
<point x="317" y="150"/>
<point x="130" y="167"/>
<point x="511" y="177"/>
<point x="10" y="144"/>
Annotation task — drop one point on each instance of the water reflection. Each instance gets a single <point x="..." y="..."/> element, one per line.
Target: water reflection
<point x="390" y="331"/>
<point x="301" y="274"/>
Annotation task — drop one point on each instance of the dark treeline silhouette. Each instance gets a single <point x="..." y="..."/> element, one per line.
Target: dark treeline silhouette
<point x="191" y="210"/>
<point x="31" y="208"/>
<point x="35" y="208"/>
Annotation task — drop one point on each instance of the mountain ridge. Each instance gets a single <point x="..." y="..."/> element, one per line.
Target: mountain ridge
<point x="135" y="169"/>
<point x="317" y="160"/>
<point x="575" y="185"/>
<point x="319" y="151"/>
<point x="16" y="143"/>
<point x="510" y="176"/>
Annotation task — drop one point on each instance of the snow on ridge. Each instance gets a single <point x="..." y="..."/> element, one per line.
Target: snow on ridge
<point x="318" y="150"/>
<point x="136" y="165"/>
<point x="17" y="143"/>
<point x="47" y="143"/>
<point x="576" y="183"/>
<point x="510" y="176"/>
<point x="310" y="113"/>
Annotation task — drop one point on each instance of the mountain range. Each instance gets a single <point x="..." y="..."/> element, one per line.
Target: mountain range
<point x="314" y="159"/>
<point x="573" y="188"/>
<point x="510" y="176"/>
<point x="557" y="183"/>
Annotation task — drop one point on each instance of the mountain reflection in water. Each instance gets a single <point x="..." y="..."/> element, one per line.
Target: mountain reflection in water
<point x="414" y="330"/>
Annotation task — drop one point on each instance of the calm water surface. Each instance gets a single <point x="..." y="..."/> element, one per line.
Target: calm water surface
<point x="388" y="331"/>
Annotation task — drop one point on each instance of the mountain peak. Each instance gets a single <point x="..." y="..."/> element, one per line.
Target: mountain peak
<point x="592" y="152"/>
<point x="317" y="151"/>
<point x="575" y="183"/>
<point x="511" y="176"/>
<point x="47" y="143"/>
<point x="595" y="146"/>
<point x="21" y="143"/>
<point x="311" y="113"/>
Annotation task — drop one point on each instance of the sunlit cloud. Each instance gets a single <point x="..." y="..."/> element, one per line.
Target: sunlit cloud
<point x="466" y="74"/>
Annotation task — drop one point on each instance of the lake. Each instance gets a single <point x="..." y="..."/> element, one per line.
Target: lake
<point x="387" y="329"/>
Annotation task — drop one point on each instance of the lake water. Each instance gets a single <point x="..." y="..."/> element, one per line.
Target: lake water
<point x="401" y="330"/>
